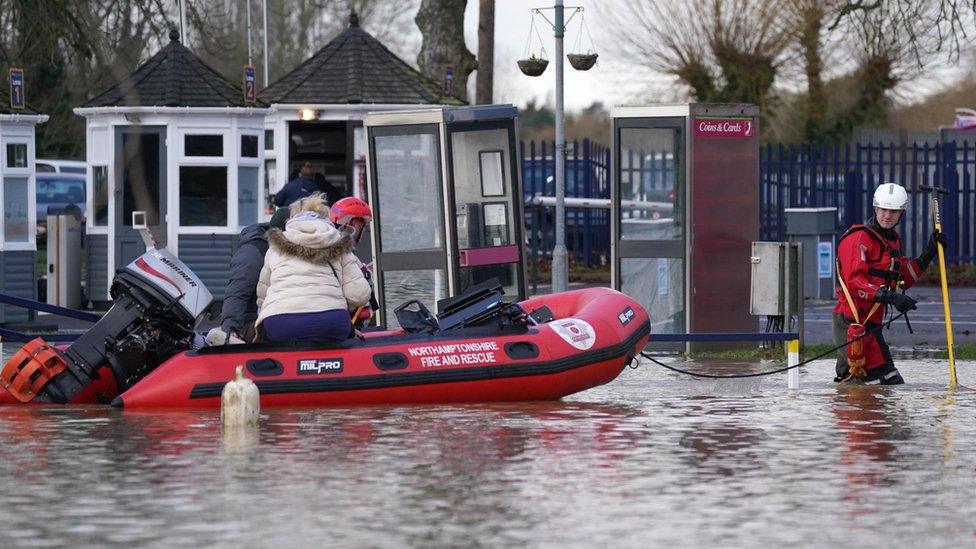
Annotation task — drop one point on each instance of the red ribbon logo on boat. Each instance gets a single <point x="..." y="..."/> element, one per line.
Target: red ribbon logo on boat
<point x="576" y="332"/>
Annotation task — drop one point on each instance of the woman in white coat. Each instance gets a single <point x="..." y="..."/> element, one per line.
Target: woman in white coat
<point x="311" y="280"/>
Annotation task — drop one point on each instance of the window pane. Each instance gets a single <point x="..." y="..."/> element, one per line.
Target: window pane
<point x="15" y="209"/>
<point x="409" y="183"/>
<point x="650" y="190"/>
<point x="268" y="140"/>
<point x="661" y="293"/>
<point x="141" y="177"/>
<point x="203" y="196"/>
<point x="249" y="146"/>
<point x="270" y="188"/>
<point x="203" y="145"/>
<point x="100" y="196"/>
<point x="247" y="195"/>
<point x="16" y="155"/>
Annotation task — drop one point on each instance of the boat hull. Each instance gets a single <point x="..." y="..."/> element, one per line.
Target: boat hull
<point x="596" y="332"/>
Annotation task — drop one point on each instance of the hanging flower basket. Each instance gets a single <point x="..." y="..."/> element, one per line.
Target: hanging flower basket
<point x="533" y="66"/>
<point x="582" y="61"/>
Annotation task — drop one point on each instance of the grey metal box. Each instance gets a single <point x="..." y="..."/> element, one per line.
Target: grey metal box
<point x="767" y="293"/>
<point x="810" y="220"/>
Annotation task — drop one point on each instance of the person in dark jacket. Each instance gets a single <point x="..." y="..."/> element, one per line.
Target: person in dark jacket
<point x="332" y="194"/>
<point x="240" y="307"/>
<point x="298" y="188"/>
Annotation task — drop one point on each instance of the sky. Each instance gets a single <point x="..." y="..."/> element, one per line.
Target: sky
<point x="513" y="19"/>
<point x="610" y="81"/>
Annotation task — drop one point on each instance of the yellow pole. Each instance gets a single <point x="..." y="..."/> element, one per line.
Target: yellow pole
<point x="945" y="297"/>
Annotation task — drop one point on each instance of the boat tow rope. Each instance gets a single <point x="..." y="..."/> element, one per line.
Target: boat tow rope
<point x="777" y="370"/>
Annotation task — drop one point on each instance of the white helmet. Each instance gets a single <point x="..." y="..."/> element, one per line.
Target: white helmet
<point x="891" y="196"/>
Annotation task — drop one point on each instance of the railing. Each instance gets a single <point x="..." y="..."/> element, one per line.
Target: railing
<point x="845" y="176"/>
<point x="800" y="175"/>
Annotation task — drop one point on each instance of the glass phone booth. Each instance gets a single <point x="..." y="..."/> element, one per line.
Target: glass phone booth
<point x="685" y="205"/>
<point x="445" y="189"/>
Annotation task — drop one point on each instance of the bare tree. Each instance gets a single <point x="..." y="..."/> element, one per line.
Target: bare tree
<point x="441" y="24"/>
<point x="722" y="50"/>
<point x="486" y="51"/>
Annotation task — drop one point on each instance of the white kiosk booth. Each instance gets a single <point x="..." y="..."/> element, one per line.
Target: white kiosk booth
<point x="18" y="226"/>
<point x="445" y="189"/>
<point x="175" y="146"/>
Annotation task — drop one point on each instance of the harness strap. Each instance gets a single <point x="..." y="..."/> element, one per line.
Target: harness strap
<point x="850" y="300"/>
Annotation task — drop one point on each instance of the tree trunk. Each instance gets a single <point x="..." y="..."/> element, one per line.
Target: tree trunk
<point x="441" y="24"/>
<point x="815" y="106"/>
<point x="486" y="51"/>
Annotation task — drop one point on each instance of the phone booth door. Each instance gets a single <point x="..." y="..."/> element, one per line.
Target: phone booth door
<point x="647" y="200"/>
<point x="485" y="199"/>
<point x="410" y="247"/>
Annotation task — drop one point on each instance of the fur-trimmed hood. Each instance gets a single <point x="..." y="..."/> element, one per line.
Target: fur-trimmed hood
<point x="314" y="240"/>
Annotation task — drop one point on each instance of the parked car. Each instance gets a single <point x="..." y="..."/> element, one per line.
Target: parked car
<point x="56" y="191"/>
<point x="57" y="165"/>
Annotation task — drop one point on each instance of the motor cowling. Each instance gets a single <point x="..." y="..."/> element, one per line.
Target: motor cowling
<point x="157" y="301"/>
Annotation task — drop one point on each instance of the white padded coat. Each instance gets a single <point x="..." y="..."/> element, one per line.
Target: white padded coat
<point x="300" y="268"/>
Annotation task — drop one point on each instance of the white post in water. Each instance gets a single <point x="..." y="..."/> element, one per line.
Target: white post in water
<point x="793" y="358"/>
<point x="240" y="402"/>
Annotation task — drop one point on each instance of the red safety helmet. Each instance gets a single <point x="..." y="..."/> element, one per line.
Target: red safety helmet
<point x="349" y="208"/>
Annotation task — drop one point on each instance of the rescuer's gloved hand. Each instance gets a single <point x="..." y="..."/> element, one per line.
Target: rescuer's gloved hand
<point x="901" y="302"/>
<point x="932" y="248"/>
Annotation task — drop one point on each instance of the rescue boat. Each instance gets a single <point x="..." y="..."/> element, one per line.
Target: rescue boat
<point x="568" y="342"/>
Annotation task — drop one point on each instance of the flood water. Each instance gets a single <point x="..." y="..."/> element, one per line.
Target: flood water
<point x="652" y="459"/>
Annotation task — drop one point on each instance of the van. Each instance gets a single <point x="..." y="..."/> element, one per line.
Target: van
<point x="55" y="165"/>
<point x="56" y="191"/>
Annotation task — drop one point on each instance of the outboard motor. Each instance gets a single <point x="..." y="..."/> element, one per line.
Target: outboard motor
<point x="157" y="303"/>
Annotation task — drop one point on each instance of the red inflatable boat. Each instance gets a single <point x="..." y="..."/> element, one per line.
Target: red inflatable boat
<point x="570" y="342"/>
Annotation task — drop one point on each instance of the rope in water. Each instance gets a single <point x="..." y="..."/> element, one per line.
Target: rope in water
<point x="778" y="370"/>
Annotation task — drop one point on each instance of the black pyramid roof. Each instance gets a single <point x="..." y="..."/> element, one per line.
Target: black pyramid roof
<point x="355" y="68"/>
<point x="174" y="77"/>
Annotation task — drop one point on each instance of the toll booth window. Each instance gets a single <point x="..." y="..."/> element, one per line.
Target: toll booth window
<point x="203" y="196"/>
<point x="15" y="222"/>
<point x="409" y="188"/>
<point x="650" y="186"/>
<point x="100" y="196"/>
<point x="203" y="145"/>
<point x="249" y="146"/>
<point x="16" y="155"/>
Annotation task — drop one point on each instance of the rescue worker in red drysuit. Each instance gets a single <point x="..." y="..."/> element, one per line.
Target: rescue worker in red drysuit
<point x="872" y="269"/>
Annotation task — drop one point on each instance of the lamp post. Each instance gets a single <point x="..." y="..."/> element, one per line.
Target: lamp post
<point x="560" y="267"/>
<point x="534" y="66"/>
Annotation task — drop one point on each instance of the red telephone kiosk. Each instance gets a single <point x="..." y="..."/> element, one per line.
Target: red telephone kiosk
<point x="685" y="210"/>
<point x="445" y="189"/>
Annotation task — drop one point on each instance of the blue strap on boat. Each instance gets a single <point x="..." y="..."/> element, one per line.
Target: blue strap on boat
<point x="47" y="308"/>
<point x="7" y="334"/>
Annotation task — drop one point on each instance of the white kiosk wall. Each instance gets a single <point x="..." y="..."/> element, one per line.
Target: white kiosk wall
<point x="18" y="244"/>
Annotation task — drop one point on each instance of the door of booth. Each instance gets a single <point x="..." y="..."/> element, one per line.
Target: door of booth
<point x="140" y="189"/>
<point x="649" y="229"/>
<point x="482" y="192"/>
<point x="438" y="231"/>
<point x="409" y="240"/>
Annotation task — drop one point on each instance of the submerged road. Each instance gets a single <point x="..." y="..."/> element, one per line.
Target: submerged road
<point x="928" y="321"/>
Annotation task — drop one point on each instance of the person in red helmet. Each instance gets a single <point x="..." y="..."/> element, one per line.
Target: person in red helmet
<point x="352" y="214"/>
<point x="871" y="269"/>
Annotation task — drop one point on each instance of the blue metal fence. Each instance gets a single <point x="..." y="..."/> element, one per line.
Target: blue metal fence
<point x="845" y="176"/>
<point x="791" y="176"/>
<point x="587" y="176"/>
